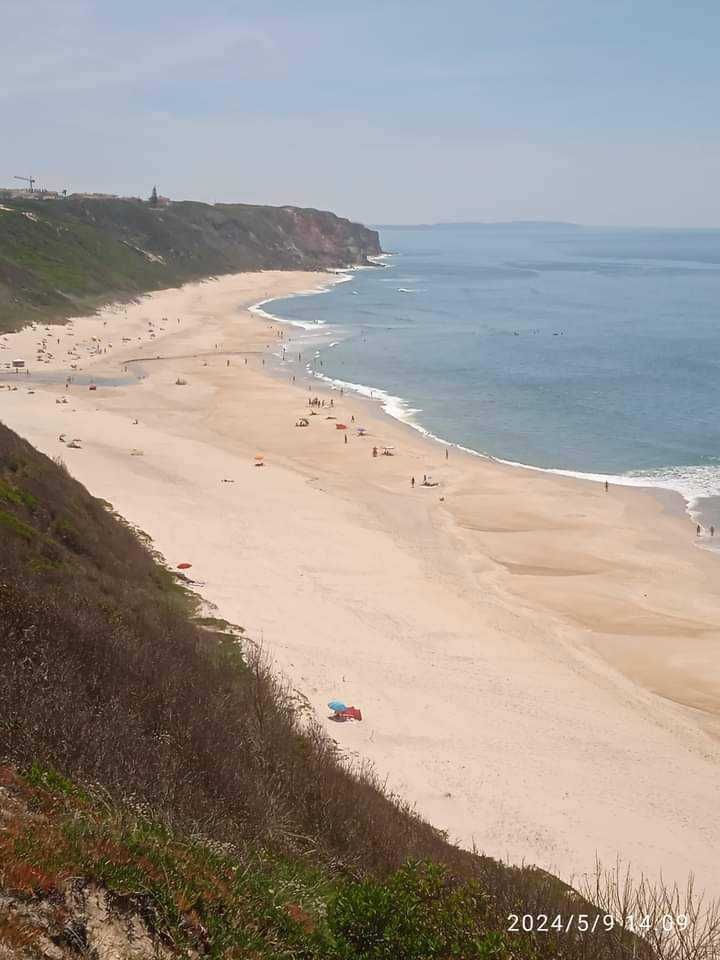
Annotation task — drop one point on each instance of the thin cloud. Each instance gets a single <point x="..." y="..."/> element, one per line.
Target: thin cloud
<point x="97" y="61"/>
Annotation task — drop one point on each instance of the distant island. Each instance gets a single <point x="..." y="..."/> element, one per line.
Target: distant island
<point x="494" y="224"/>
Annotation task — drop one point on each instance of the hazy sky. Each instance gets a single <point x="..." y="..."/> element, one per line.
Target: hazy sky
<point x="386" y="111"/>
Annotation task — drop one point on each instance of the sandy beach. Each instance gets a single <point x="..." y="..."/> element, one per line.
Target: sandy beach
<point x="536" y="659"/>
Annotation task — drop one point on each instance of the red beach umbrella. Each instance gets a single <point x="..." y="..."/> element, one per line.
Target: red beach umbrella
<point x="184" y="566"/>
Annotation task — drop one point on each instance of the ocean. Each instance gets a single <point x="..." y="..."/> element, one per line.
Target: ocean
<point x="583" y="350"/>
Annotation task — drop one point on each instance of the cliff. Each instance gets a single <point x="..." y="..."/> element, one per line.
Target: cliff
<point x="63" y="257"/>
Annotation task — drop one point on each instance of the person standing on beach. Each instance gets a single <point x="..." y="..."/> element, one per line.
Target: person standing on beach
<point x="412" y="482"/>
<point x="697" y="531"/>
<point x="345" y="438"/>
<point x="447" y="453"/>
<point x="606" y="486"/>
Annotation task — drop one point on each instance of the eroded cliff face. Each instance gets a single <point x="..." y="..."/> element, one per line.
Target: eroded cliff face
<point x="328" y="237"/>
<point x="46" y="915"/>
<point x="59" y="257"/>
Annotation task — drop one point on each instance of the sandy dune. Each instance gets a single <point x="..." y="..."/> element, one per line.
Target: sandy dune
<point x="536" y="659"/>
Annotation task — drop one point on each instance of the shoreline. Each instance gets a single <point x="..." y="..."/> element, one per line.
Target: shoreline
<point x="401" y="409"/>
<point x="535" y="660"/>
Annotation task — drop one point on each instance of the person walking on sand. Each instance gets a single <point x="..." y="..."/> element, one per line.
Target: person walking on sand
<point x="374" y="451"/>
<point x="447" y="453"/>
<point x="412" y="482"/>
<point x="345" y="438"/>
<point x="697" y="530"/>
<point x="606" y="486"/>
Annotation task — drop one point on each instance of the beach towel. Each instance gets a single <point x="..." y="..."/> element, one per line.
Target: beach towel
<point x="352" y="713"/>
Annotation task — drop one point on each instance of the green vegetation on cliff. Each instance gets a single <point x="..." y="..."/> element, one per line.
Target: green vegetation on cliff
<point x="63" y="257"/>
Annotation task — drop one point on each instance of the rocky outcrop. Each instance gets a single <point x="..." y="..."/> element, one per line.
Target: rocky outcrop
<point x="83" y="923"/>
<point x="45" y="918"/>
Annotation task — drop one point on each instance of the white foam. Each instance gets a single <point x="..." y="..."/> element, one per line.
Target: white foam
<point x="395" y="407"/>
<point x="257" y="309"/>
<point x="338" y="276"/>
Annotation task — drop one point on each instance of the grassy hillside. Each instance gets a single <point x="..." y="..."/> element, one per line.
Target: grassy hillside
<point x="59" y="257"/>
<point x="161" y="787"/>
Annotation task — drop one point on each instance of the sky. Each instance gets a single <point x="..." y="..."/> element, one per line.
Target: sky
<point x="386" y="111"/>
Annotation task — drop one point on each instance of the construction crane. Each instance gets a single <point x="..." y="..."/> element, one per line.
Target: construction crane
<point x="30" y="180"/>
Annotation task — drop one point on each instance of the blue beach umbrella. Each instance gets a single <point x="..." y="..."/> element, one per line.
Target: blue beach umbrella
<point x="337" y="705"/>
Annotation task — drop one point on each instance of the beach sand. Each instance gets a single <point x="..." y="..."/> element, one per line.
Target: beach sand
<point x="536" y="659"/>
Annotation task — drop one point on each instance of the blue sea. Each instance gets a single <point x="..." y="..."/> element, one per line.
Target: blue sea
<point x="587" y="350"/>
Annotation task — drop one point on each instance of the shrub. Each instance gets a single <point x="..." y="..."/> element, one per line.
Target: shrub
<point x="419" y="913"/>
